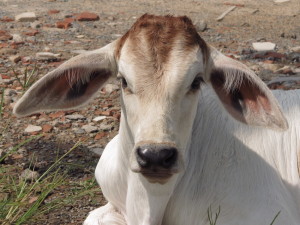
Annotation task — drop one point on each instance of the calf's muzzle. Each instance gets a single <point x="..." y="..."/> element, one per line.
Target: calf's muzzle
<point x="156" y="157"/>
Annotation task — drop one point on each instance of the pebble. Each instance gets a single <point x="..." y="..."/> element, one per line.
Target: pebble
<point x="35" y="24"/>
<point x="89" y="128"/>
<point x="106" y="127"/>
<point x="296" y="49"/>
<point x="75" y="117"/>
<point x="17" y="38"/>
<point x="5" y="36"/>
<point x="263" y="46"/>
<point x="26" y="17"/>
<point x="201" y="25"/>
<point x="99" y="118"/>
<point x="281" y="1"/>
<point x="15" y="58"/>
<point x="87" y="16"/>
<point x="97" y="151"/>
<point x="29" y="175"/>
<point x="32" y="128"/>
<point x="47" y="55"/>
<point x="78" y="131"/>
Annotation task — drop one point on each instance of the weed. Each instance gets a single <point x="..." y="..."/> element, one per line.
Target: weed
<point x="28" y="79"/>
<point x="23" y="201"/>
<point x="2" y="102"/>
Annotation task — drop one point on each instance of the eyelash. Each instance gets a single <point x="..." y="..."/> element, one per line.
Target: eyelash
<point x="196" y="84"/>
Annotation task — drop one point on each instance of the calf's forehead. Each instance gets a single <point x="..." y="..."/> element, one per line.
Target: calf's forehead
<point x="156" y="47"/>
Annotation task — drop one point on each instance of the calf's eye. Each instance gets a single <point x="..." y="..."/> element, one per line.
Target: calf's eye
<point x="197" y="83"/>
<point x="123" y="82"/>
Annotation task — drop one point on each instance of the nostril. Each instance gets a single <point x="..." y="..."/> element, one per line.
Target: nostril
<point x="156" y="156"/>
<point x="169" y="157"/>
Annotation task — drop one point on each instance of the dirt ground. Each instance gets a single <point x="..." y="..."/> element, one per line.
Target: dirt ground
<point x="251" y="21"/>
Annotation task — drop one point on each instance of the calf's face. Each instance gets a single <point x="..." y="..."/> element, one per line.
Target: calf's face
<point x="161" y="63"/>
<point x="161" y="67"/>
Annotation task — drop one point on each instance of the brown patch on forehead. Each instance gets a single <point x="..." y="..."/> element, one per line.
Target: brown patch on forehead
<point x="159" y="35"/>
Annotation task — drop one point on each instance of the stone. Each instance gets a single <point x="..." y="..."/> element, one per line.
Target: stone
<point x="17" y="38"/>
<point x="5" y="36"/>
<point x="78" y="130"/>
<point x="29" y="175"/>
<point x="109" y="88"/>
<point x="32" y="128"/>
<point x="46" y="55"/>
<point x="35" y="25"/>
<point x="47" y="128"/>
<point x="263" y="46"/>
<point x="31" y="32"/>
<point x="63" y="24"/>
<point x="6" y="19"/>
<point x="87" y="16"/>
<point x="26" y="17"/>
<point x="105" y="127"/>
<point x="296" y="49"/>
<point x="7" y="51"/>
<point x="201" y="25"/>
<point x="75" y="117"/>
<point x="89" y="128"/>
<point x="53" y="11"/>
<point x="99" y="118"/>
<point x="97" y="151"/>
<point x="281" y="1"/>
<point x="15" y="58"/>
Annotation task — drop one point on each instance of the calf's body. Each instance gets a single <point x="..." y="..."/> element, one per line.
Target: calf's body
<point x="251" y="173"/>
<point x="199" y="132"/>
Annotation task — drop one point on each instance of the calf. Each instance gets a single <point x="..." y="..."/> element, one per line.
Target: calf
<point x="199" y="131"/>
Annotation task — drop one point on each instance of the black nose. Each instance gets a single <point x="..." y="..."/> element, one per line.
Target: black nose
<point x="156" y="156"/>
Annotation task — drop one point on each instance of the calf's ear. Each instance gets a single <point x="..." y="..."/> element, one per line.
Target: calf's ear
<point x="70" y="85"/>
<point x="242" y="93"/>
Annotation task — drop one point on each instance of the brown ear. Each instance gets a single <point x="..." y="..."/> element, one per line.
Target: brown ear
<point x="71" y="85"/>
<point x="243" y="94"/>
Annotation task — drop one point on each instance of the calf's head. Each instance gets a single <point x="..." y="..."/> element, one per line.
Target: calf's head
<point x="162" y="63"/>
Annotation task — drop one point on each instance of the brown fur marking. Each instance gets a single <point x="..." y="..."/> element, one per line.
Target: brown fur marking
<point x="160" y="34"/>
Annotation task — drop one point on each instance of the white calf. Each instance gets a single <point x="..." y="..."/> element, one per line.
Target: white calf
<point x="186" y="142"/>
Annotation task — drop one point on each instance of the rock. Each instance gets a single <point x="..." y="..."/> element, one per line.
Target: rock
<point x="17" y="38"/>
<point x="294" y="56"/>
<point x="35" y="25"/>
<point x="201" y="25"/>
<point x="97" y="151"/>
<point x="296" y="49"/>
<point x="263" y="46"/>
<point x="47" y="55"/>
<point x="63" y="24"/>
<point x="272" y="67"/>
<point x="26" y="17"/>
<point x="99" y="135"/>
<point x="31" y="32"/>
<point x="53" y="11"/>
<point x="78" y="131"/>
<point x="7" y="51"/>
<point x="87" y="16"/>
<point x="106" y="127"/>
<point x="5" y="36"/>
<point x="15" y="58"/>
<point x="29" y="175"/>
<point x="109" y="88"/>
<point x="99" y="118"/>
<point x="6" y="19"/>
<point x="31" y="128"/>
<point x="47" y="128"/>
<point x="89" y="128"/>
<point x="281" y="1"/>
<point x="75" y="117"/>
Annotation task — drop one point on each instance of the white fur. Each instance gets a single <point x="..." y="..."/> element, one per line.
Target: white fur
<point x="249" y="172"/>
